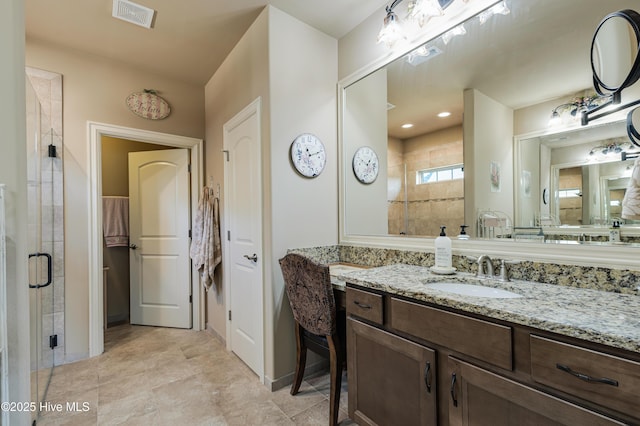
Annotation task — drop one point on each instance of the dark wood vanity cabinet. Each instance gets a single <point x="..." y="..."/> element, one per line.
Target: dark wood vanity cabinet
<point x="391" y="379"/>
<point x="480" y="397"/>
<point x="412" y="363"/>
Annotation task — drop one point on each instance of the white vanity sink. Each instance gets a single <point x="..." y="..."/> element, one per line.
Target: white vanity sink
<point x="473" y="290"/>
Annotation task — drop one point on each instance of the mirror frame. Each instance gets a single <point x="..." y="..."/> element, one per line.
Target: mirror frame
<point x="613" y="256"/>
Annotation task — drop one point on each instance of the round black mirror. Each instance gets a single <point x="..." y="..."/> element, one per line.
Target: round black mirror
<point x="615" y="59"/>
<point x="633" y="126"/>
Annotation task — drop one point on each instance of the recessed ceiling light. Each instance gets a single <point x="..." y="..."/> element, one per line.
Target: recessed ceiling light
<point x="407" y="126"/>
<point x="444" y="114"/>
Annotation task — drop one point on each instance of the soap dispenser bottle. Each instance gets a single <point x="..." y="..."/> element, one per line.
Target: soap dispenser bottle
<point x="463" y="233"/>
<point x="614" y="232"/>
<point x="443" y="251"/>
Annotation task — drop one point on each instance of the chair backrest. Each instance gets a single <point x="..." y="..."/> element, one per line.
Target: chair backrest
<point x="310" y="293"/>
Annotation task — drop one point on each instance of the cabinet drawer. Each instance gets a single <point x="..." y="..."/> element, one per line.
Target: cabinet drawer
<point x="365" y="305"/>
<point x="483" y="340"/>
<point x="594" y="376"/>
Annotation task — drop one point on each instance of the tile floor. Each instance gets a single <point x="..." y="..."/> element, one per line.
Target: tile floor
<point x="161" y="376"/>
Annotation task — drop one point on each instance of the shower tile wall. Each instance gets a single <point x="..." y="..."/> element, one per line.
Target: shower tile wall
<point x="431" y="205"/>
<point x="48" y="87"/>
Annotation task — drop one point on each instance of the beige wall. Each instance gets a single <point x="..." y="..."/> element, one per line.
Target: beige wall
<point x="13" y="165"/>
<point x="276" y="59"/>
<point x="95" y="89"/>
<point x="365" y="124"/>
<point x="241" y="78"/>
<point x="488" y="138"/>
<point x="304" y="211"/>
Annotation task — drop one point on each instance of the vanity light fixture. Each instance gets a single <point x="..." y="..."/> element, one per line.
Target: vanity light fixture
<point x="613" y="147"/>
<point x="391" y="31"/>
<point x="444" y="114"/>
<point x="579" y="105"/>
<point x="421" y="11"/>
<point x="407" y="126"/>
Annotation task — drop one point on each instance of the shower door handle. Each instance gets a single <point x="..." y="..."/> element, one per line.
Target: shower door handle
<point x="49" y="270"/>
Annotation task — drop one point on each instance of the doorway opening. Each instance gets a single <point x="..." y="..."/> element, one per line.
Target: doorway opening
<point x="98" y="131"/>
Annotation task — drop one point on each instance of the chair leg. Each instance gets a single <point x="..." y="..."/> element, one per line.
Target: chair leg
<point x="336" y="377"/>
<point x="301" y="360"/>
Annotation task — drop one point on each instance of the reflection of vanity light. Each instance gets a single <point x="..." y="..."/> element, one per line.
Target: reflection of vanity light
<point x="422" y="54"/>
<point x="615" y="203"/>
<point x="456" y="31"/>
<point x="576" y="108"/>
<point x="498" y="9"/>
<point x="444" y="114"/>
<point x="610" y="148"/>
<point x="407" y="126"/>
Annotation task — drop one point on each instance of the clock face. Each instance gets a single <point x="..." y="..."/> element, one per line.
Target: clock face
<point x="365" y="164"/>
<point x="308" y="155"/>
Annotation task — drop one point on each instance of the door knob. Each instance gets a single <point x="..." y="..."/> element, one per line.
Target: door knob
<point x="133" y="246"/>
<point x="253" y="258"/>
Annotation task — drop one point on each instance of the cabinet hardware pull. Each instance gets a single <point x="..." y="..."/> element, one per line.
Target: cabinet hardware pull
<point x="362" y="305"/>
<point x="427" y="376"/>
<point x="587" y="378"/>
<point x="453" y="389"/>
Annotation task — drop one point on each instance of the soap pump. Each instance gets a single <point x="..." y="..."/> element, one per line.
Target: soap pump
<point x="614" y="232"/>
<point x="443" y="250"/>
<point x="463" y="233"/>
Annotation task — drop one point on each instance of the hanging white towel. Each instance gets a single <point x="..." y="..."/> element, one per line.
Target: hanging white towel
<point x="115" y="221"/>
<point x="206" y="250"/>
<point x="631" y="200"/>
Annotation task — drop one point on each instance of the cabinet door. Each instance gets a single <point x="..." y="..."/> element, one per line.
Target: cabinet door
<point x="391" y="380"/>
<point x="479" y="397"/>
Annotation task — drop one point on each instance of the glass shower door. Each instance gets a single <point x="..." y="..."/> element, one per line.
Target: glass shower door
<point x="41" y="225"/>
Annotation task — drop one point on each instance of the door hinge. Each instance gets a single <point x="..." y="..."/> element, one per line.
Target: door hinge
<point x="189" y="168"/>
<point x="53" y="341"/>
<point x="189" y="233"/>
<point x="228" y="235"/>
<point x="226" y="153"/>
<point x="229" y="314"/>
<point x="191" y="298"/>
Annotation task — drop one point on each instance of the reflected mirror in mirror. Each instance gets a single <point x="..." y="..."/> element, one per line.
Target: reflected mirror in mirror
<point x="614" y="51"/>
<point x="505" y="74"/>
<point x="633" y="126"/>
<point x="585" y="171"/>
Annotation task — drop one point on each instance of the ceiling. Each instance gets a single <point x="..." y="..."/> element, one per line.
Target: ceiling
<point x="537" y="53"/>
<point x="189" y="39"/>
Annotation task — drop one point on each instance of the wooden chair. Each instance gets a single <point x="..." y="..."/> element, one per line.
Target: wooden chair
<point x="310" y="293"/>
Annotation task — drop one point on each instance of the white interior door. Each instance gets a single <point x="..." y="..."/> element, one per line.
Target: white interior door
<point x="159" y="238"/>
<point x="243" y="200"/>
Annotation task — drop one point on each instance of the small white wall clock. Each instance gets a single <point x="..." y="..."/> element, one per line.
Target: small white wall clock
<point x="365" y="164"/>
<point x="308" y="155"/>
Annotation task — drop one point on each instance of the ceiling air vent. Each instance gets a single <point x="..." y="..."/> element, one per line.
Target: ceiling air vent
<point x="133" y="13"/>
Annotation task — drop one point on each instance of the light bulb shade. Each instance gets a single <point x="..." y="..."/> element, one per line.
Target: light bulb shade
<point x="391" y="31"/>
<point x="423" y="10"/>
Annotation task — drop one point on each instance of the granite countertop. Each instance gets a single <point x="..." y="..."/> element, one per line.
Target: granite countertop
<point x="597" y="316"/>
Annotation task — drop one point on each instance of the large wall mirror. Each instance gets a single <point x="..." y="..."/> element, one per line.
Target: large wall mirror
<point x="498" y="80"/>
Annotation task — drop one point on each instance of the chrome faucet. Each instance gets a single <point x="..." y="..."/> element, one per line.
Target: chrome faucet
<point x="483" y="261"/>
